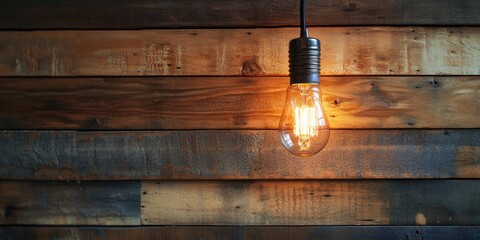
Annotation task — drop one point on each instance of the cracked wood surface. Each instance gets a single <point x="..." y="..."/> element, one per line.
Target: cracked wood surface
<point x="180" y="103"/>
<point x="139" y="14"/>
<point x="244" y="154"/>
<point x="322" y="202"/>
<point x="237" y="52"/>
<point x="69" y="203"/>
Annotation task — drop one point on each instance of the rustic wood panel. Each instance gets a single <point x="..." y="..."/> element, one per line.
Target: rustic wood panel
<point x="314" y="202"/>
<point x="243" y="232"/>
<point x="90" y="14"/>
<point x="233" y="103"/>
<point x="236" y="52"/>
<point x="63" y="203"/>
<point x="350" y="154"/>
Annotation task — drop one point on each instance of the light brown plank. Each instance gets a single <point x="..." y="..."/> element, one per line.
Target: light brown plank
<point x="89" y="14"/>
<point x="350" y="154"/>
<point x="236" y="52"/>
<point x="243" y="232"/>
<point x="63" y="203"/>
<point x="420" y="202"/>
<point x="233" y="103"/>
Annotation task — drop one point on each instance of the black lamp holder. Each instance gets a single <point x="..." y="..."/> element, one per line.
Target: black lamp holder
<point x="304" y="55"/>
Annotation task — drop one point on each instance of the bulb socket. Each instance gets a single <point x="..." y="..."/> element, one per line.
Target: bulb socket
<point x="304" y="60"/>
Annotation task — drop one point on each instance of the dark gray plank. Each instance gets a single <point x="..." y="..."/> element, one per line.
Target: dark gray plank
<point x="124" y="14"/>
<point x="243" y="233"/>
<point x="236" y="154"/>
<point x="70" y="203"/>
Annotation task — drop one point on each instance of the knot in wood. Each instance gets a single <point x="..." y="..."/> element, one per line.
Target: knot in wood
<point x="250" y="68"/>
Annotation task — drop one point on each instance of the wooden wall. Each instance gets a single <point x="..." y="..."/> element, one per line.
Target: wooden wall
<point x="156" y="120"/>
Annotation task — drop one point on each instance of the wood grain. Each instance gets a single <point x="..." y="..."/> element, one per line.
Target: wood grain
<point x="109" y="14"/>
<point x="243" y="232"/>
<point x="314" y="202"/>
<point x="396" y="69"/>
<point x="237" y="52"/>
<point x="350" y="154"/>
<point x="63" y="203"/>
<point x="233" y="103"/>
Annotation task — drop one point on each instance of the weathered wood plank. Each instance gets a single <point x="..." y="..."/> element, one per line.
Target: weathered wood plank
<point x="89" y="14"/>
<point x="63" y="203"/>
<point x="236" y="155"/>
<point x="244" y="232"/>
<point x="233" y="103"/>
<point x="236" y="52"/>
<point x="312" y="202"/>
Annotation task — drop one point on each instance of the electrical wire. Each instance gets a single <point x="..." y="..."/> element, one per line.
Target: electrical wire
<point x="303" y="24"/>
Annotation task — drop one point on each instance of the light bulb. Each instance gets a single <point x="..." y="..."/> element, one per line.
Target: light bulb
<point x="304" y="128"/>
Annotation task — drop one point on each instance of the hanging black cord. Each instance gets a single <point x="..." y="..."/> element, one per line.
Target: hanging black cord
<point x="303" y="24"/>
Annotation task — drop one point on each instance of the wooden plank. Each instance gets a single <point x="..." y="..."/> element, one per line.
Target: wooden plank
<point x="109" y="14"/>
<point x="188" y="155"/>
<point x="236" y="52"/>
<point x="244" y="232"/>
<point x="313" y="202"/>
<point x="350" y="154"/>
<point x="70" y="203"/>
<point x="233" y="103"/>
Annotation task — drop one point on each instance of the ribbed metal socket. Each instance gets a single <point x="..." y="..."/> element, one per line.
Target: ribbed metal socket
<point x="304" y="60"/>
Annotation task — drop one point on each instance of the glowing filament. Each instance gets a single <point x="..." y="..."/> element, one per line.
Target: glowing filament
<point x="306" y="125"/>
